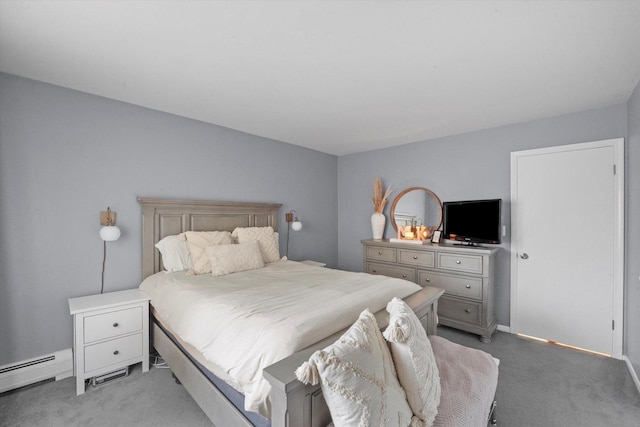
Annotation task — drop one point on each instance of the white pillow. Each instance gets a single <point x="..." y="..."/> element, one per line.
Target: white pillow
<point x="227" y="259"/>
<point x="264" y="236"/>
<point x="414" y="360"/>
<point x="358" y="379"/>
<point x="198" y="243"/>
<point x="175" y="253"/>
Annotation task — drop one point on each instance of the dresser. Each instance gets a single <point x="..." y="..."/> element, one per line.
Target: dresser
<point x="465" y="273"/>
<point x="110" y="332"/>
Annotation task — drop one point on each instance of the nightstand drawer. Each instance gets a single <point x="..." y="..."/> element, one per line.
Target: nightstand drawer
<point x="419" y="258"/>
<point x="466" y="263"/>
<point x="460" y="310"/>
<point x="381" y="253"/>
<point x="469" y="287"/>
<point x="112" y="352"/>
<point x="112" y="324"/>
<point x="391" y="271"/>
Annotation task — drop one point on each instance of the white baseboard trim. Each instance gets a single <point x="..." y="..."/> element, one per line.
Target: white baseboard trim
<point x="503" y="328"/>
<point x="58" y="365"/>
<point x="632" y="371"/>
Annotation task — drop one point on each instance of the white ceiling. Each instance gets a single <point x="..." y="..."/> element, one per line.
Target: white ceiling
<point x="336" y="76"/>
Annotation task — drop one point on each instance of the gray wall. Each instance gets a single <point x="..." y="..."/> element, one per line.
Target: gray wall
<point x="632" y="294"/>
<point x="469" y="166"/>
<point x="65" y="156"/>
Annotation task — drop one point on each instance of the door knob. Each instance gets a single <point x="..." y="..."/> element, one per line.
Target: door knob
<point x="524" y="255"/>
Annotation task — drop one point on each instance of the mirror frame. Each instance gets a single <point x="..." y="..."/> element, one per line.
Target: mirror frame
<point x="399" y="196"/>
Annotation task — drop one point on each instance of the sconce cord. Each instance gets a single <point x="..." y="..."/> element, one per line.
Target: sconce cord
<point x="288" y="228"/>
<point x="104" y="260"/>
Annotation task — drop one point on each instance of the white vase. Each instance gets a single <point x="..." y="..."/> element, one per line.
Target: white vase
<point x="377" y="225"/>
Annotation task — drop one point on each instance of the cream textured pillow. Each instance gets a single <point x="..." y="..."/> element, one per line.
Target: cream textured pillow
<point x="198" y="243"/>
<point x="227" y="259"/>
<point x="264" y="237"/>
<point x="175" y="254"/>
<point x="414" y="360"/>
<point x="357" y="378"/>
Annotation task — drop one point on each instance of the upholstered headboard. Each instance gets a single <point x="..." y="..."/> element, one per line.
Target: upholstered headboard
<point x="166" y="217"/>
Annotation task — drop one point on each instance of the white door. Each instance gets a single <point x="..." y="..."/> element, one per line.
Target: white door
<point x="567" y="237"/>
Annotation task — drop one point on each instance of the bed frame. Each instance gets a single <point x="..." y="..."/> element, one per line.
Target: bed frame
<point x="293" y="404"/>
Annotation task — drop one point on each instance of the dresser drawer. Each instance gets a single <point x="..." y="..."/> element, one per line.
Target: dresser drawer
<point x="419" y="258"/>
<point x="381" y="253"/>
<point x="465" y="263"/>
<point x="469" y="287"/>
<point x="392" y="271"/>
<point x="460" y="310"/>
<point x="112" y="352"/>
<point x="112" y="324"/>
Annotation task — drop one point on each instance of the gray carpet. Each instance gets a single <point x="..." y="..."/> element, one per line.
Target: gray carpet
<point x="539" y="385"/>
<point x="149" y="399"/>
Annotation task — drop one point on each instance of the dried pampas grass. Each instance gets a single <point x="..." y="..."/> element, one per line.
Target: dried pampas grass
<point x="379" y="196"/>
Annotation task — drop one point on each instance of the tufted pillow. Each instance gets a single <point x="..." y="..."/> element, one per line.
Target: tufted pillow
<point x="358" y="379"/>
<point x="175" y="253"/>
<point x="198" y="243"/>
<point x="414" y="360"/>
<point x="265" y="238"/>
<point x="227" y="259"/>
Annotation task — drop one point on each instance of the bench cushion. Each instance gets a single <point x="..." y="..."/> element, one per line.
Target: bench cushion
<point x="468" y="378"/>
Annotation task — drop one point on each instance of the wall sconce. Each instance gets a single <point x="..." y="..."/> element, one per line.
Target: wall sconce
<point x="108" y="233"/>
<point x="292" y="223"/>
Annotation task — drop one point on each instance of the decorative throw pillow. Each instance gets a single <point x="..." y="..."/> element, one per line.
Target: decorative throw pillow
<point x="175" y="253"/>
<point x="227" y="259"/>
<point x="264" y="237"/>
<point x="198" y="243"/>
<point x="414" y="360"/>
<point x="358" y="379"/>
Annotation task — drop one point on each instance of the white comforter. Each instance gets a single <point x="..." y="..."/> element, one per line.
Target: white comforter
<point x="246" y="321"/>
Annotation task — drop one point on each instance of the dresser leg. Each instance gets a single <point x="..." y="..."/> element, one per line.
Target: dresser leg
<point x="485" y="339"/>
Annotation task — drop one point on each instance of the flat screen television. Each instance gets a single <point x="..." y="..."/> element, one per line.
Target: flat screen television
<point x="472" y="221"/>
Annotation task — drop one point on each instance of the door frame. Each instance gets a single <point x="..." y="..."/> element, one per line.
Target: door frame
<point x="618" y="267"/>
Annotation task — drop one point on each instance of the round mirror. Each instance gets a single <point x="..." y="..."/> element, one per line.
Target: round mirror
<point x="416" y="206"/>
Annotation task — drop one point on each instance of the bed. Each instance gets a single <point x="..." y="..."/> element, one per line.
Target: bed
<point x="291" y="402"/>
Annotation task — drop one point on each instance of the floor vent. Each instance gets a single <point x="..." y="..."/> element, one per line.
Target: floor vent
<point x="58" y="365"/>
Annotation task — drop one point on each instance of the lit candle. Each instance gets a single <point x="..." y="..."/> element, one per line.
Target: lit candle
<point x="406" y="232"/>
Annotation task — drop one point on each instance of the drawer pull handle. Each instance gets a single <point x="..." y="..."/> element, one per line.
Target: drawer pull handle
<point x="468" y="286"/>
<point x="375" y="271"/>
<point x="415" y="257"/>
<point x="115" y="325"/>
<point x="427" y="280"/>
<point x="466" y="310"/>
<point x="379" y="252"/>
<point x="457" y="261"/>
<point x="404" y="276"/>
<point x="115" y="353"/>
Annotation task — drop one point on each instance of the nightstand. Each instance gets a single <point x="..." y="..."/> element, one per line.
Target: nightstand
<point x="110" y="332"/>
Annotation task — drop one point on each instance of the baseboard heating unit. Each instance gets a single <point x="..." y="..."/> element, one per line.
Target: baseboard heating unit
<point x="58" y="365"/>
